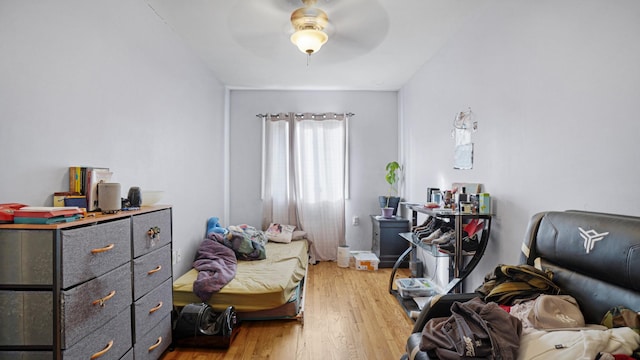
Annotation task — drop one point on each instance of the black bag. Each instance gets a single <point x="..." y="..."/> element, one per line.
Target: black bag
<point x="198" y="326"/>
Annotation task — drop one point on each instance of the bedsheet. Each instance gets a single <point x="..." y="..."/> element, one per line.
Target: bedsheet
<point x="258" y="285"/>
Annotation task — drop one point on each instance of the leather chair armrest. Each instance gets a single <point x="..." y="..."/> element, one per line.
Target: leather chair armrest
<point x="413" y="348"/>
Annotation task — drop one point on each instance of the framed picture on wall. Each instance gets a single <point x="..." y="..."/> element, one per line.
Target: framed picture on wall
<point x="463" y="157"/>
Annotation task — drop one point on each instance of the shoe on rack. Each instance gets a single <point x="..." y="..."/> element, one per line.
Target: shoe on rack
<point x="424" y="225"/>
<point x="447" y="236"/>
<point x="423" y="235"/>
<point x="469" y="246"/>
<point x="430" y="226"/>
<point x="424" y="232"/>
<point x="477" y="229"/>
<point x="427" y="238"/>
<point x="470" y="226"/>
<point x="433" y="226"/>
<point x="473" y="227"/>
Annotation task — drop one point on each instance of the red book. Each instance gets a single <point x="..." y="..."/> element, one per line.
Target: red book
<point x="46" y="211"/>
<point x="7" y="210"/>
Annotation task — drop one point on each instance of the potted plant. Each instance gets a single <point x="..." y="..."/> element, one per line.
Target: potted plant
<point x="389" y="203"/>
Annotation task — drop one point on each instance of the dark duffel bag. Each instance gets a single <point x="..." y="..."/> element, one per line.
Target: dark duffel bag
<point x="198" y="325"/>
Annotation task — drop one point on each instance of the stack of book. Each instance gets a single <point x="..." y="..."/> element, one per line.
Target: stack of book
<point x="83" y="181"/>
<point x="46" y="214"/>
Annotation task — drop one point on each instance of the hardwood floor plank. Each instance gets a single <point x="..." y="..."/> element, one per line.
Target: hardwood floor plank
<point x="349" y="314"/>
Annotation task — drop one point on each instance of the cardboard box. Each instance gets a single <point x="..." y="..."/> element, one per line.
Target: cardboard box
<point x="352" y="256"/>
<point x="59" y="197"/>
<point x="366" y="261"/>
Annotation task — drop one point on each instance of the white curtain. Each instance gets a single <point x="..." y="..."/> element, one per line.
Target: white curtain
<point x="278" y="197"/>
<point x="305" y="176"/>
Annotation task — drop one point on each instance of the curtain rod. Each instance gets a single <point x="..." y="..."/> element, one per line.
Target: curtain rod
<point x="302" y="114"/>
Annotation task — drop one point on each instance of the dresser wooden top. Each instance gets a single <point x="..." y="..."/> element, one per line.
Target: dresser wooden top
<point x="91" y="218"/>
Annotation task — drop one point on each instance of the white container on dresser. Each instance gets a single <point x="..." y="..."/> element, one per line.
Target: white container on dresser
<point x="99" y="287"/>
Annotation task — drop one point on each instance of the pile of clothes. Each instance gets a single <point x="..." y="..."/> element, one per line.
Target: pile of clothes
<point x="520" y="314"/>
<point x="218" y="254"/>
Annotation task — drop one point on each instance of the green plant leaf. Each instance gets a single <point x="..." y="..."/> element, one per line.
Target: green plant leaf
<point x="392" y="177"/>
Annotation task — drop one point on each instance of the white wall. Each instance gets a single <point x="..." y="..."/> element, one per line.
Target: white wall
<point x="373" y="143"/>
<point x="555" y="88"/>
<point x="106" y="83"/>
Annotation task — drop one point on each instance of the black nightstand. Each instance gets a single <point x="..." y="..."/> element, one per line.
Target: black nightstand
<point x="387" y="243"/>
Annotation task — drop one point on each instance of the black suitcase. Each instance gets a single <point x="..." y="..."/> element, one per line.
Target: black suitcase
<point x="198" y="325"/>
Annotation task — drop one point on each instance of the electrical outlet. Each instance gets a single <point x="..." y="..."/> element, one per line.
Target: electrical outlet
<point x="176" y="256"/>
<point x="355" y="221"/>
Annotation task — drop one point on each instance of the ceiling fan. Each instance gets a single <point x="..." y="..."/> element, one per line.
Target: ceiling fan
<point x="308" y="23"/>
<point x="352" y="27"/>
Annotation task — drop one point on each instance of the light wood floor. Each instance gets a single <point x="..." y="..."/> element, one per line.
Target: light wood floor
<point x="349" y="314"/>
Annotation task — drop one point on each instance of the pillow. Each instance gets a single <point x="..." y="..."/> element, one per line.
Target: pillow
<point x="299" y="235"/>
<point x="280" y="233"/>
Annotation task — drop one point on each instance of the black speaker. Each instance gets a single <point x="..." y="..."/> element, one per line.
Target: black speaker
<point x="135" y="196"/>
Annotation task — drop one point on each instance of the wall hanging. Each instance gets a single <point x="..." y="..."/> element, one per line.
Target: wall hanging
<point x="463" y="125"/>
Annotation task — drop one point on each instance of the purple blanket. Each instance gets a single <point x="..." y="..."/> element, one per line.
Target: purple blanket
<point x="216" y="265"/>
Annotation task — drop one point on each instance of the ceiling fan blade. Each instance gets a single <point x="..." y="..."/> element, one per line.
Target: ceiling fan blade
<point x="356" y="23"/>
<point x="261" y="26"/>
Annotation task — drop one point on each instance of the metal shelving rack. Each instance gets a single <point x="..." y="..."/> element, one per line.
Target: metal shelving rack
<point x="459" y="267"/>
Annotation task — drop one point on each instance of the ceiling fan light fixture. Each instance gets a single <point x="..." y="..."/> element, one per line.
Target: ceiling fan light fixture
<point x="309" y="41"/>
<point x="308" y="23"/>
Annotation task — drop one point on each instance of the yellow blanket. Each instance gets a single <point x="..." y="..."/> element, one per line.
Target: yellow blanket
<point x="258" y="285"/>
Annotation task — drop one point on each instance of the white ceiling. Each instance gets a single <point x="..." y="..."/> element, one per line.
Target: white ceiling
<point x="373" y="44"/>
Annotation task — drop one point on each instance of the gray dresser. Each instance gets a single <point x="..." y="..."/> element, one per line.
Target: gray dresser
<point x="96" y="288"/>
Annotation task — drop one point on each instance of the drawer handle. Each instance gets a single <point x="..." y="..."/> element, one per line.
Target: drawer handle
<point x="156" y="308"/>
<point x="154" y="270"/>
<point x="103" y="351"/>
<point x="106" y="248"/>
<point x="104" y="299"/>
<point x="153" y="232"/>
<point x="158" y="342"/>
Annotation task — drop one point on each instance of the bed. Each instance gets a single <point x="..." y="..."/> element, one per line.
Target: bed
<point x="272" y="288"/>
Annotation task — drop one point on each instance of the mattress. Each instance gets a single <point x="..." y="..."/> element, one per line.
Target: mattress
<point x="257" y="285"/>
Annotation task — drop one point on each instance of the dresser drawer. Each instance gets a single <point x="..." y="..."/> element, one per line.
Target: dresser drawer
<point x="26" y="318"/>
<point x="128" y="355"/>
<point x="151" y="270"/>
<point x="90" y="305"/>
<point x="152" y="308"/>
<point x="155" y="342"/>
<point x="26" y="257"/>
<point x="112" y="340"/>
<point x="143" y="242"/>
<point x="26" y="355"/>
<point x="93" y="250"/>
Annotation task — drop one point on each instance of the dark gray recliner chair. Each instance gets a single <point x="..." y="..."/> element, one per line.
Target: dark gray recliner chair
<point x="594" y="257"/>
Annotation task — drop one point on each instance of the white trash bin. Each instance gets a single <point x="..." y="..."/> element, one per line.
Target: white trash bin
<point x="343" y="256"/>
